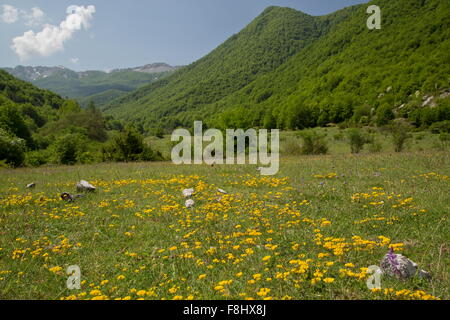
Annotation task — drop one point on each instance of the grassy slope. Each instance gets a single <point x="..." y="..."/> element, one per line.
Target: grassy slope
<point x="336" y="140"/>
<point x="136" y="233"/>
<point x="263" y="45"/>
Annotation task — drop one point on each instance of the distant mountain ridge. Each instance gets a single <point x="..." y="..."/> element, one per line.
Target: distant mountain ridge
<point x="151" y="68"/>
<point x="91" y="85"/>
<point x="34" y="73"/>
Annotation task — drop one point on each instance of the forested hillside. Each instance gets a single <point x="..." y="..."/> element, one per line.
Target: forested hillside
<point x="291" y="70"/>
<point x="39" y="127"/>
<point x="353" y="72"/>
<point x="265" y="44"/>
<point x="32" y="120"/>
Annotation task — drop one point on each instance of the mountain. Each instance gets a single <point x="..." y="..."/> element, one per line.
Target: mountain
<point x="265" y="44"/>
<point x="291" y="70"/>
<point x="151" y="68"/>
<point x="97" y="86"/>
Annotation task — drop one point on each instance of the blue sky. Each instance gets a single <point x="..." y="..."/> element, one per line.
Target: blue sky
<point x="106" y="34"/>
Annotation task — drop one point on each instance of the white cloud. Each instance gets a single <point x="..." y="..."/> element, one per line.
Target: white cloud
<point x="34" y="18"/>
<point x="10" y="14"/>
<point x="74" y="60"/>
<point x="51" y="38"/>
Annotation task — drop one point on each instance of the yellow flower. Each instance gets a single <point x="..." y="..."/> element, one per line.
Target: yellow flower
<point x="95" y="293"/>
<point x="120" y="277"/>
<point x="202" y="276"/>
<point x="141" y="293"/>
<point x="328" y="280"/>
<point x="173" y="290"/>
<point x="55" y="269"/>
<point x="349" y="265"/>
<point x="263" y="292"/>
<point x="266" y="258"/>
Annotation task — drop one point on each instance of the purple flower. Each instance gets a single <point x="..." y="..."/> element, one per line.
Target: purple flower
<point x="392" y="258"/>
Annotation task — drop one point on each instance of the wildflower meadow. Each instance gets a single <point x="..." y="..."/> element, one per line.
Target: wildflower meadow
<point x="309" y="232"/>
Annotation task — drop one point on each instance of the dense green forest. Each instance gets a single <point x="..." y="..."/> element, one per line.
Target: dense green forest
<point x="290" y="70"/>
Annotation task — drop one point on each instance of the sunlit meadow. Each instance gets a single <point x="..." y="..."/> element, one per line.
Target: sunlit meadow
<point x="310" y="232"/>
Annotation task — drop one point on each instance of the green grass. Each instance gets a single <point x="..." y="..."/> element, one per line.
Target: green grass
<point x="336" y="139"/>
<point x="131" y="226"/>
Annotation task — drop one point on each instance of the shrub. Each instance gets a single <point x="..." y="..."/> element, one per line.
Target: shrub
<point x="129" y="146"/>
<point x="400" y="133"/>
<point x="68" y="147"/>
<point x="292" y="147"/>
<point x="356" y="140"/>
<point x="384" y="115"/>
<point x="441" y="126"/>
<point x="374" y="145"/>
<point x="159" y="132"/>
<point x="444" y="139"/>
<point x="37" y="158"/>
<point x="338" y="136"/>
<point x="313" y="143"/>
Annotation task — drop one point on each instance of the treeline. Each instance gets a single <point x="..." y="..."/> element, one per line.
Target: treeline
<point x="38" y="127"/>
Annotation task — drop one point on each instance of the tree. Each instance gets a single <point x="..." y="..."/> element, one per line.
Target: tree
<point x="313" y="143"/>
<point x="129" y="146"/>
<point x="269" y="121"/>
<point x="11" y="120"/>
<point x="384" y="115"/>
<point x="400" y="133"/>
<point x="12" y="149"/>
<point x="356" y="140"/>
<point x="68" y="147"/>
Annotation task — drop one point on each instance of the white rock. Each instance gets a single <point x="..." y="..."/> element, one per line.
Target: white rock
<point x="189" y="203"/>
<point x="428" y="101"/>
<point x="83" y="185"/>
<point x="222" y="191"/>
<point x="188" y="192"/>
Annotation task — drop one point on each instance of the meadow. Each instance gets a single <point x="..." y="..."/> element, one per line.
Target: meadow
<point x="309" y="232"/>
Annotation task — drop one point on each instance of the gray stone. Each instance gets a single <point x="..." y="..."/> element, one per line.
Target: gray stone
<point x="398" y="266"/>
